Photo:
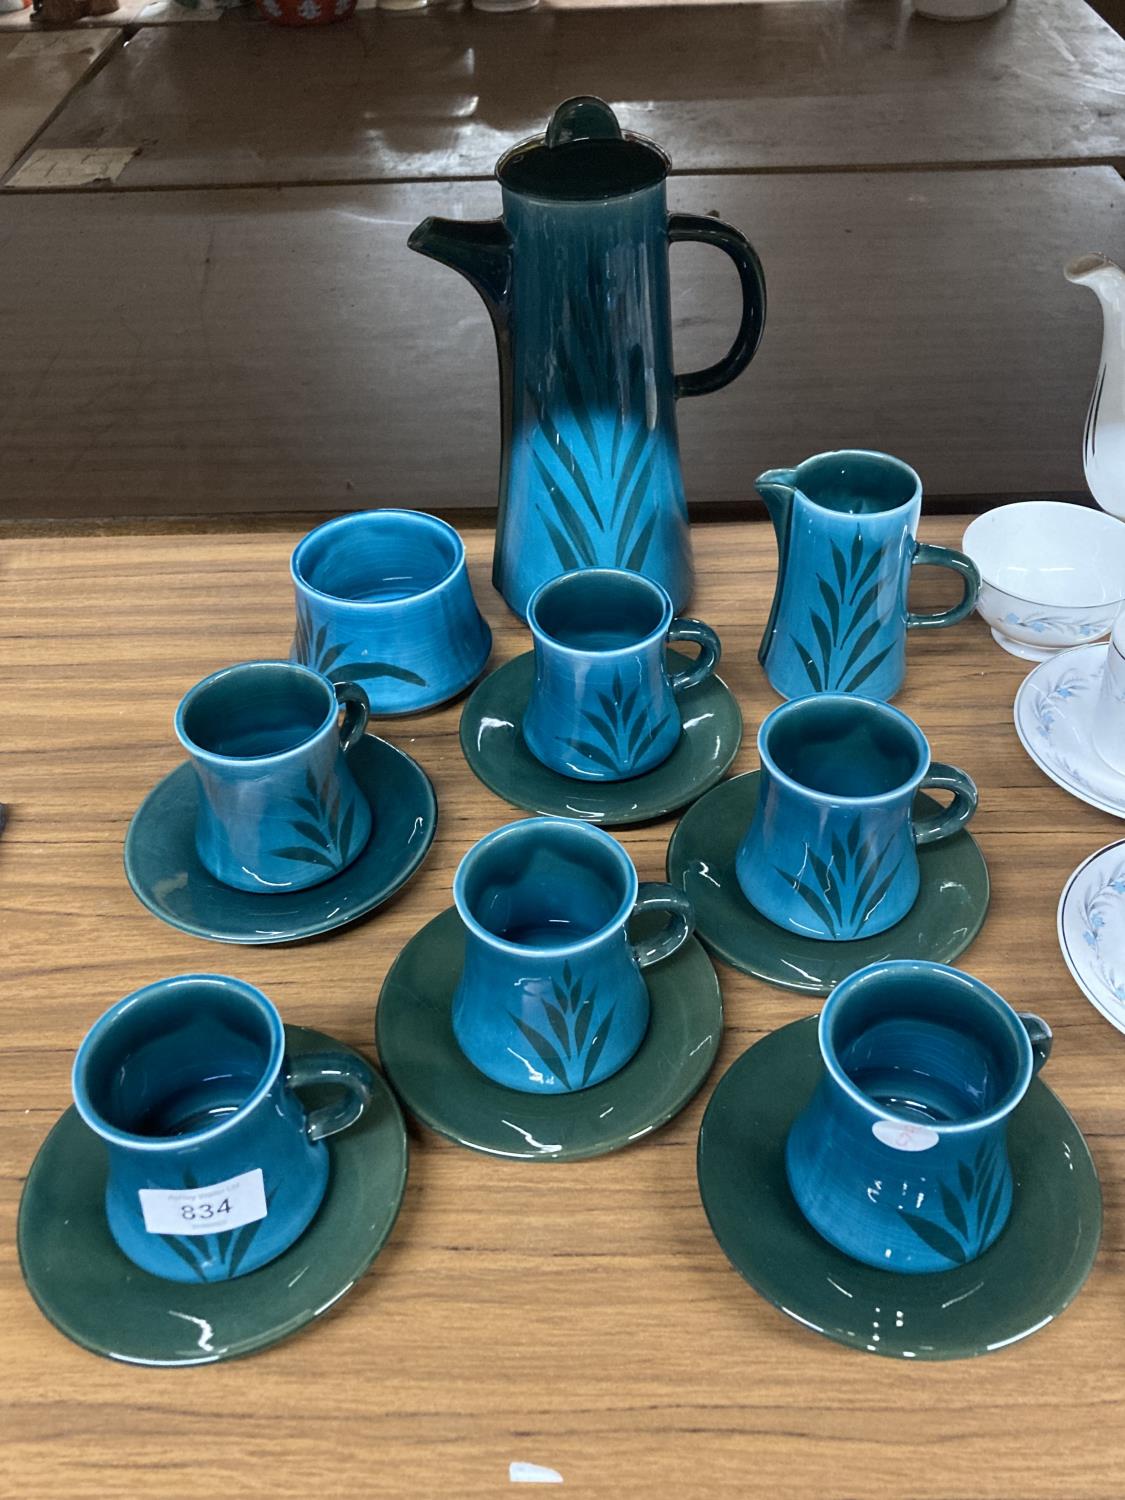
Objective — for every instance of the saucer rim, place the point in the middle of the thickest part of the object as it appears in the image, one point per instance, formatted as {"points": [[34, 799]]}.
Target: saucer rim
{"points": [[314, 930], [567, 784], [1103, 1009], [1090, 798], [311, 1040], [723, 953], [931, 1355], [605, 1147]]}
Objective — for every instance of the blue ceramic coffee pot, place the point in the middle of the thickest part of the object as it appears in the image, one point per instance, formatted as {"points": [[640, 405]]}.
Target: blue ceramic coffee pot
{"points": [[900, 1157], [830, 850], [575, 278], [551, 998], [603, 703], [846, 524], [188, 1084]]}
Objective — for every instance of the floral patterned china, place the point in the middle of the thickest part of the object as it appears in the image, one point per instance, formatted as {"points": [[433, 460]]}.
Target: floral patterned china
{"points": [[1052, 574], [1054, 712], [1091, 925]]}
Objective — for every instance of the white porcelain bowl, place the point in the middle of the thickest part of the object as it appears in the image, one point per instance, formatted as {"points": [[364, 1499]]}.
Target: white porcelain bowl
{"points": [[1052, 574]]}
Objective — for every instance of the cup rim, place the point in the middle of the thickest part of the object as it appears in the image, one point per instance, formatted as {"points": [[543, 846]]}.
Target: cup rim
{"points": [[839, 453], [420, 518], [969, 982], [573, 826], [874, 705], [655, 636], [113, 1134], [213, 757]]}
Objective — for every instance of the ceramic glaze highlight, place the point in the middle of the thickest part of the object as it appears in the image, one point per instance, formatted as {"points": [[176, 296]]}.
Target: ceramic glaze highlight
{"points": [[846, 525], [384, 600], [575, 278], [899, 1159], [551, 997], [187, 1083], [279, 809], [830, 850], [603, 706]]}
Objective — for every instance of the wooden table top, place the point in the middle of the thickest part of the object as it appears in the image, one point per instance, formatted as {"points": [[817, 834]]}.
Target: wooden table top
{"points": [[273, 350], [576, 1316], [841, 84]]}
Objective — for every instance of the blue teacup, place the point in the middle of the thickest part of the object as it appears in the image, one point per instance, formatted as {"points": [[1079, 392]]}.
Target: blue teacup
{"points": [[215, 1167], [900, 1158], [551, 998], [279, 809], [384, 600], [830, 851], [603, 705]]}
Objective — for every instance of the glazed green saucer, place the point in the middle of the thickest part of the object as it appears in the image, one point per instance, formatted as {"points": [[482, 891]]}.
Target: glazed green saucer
{"points": [[437, 1083], [493, 744], [167, 876], [1018, 1286], [944, 920], [101, 1300]]}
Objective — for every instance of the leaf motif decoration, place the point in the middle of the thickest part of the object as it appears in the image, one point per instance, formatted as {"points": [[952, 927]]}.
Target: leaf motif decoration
{"points": [[326, 835], [842, 891], [937, 1238], [312, 650], [846, 622], [623, 729], [573, 1049]]}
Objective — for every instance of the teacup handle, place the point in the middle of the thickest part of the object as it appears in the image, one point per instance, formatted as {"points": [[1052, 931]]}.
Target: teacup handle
{"points": [[654, 895], [927, 554], [1040, 1036], [349, 1073], [357, 710], [951, 819], [710, 649]]}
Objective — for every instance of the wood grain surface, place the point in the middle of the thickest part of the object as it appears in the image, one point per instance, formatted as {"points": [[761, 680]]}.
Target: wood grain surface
{"points": [[840, 84], [282, 350], [37, 72], [578, 1316]]}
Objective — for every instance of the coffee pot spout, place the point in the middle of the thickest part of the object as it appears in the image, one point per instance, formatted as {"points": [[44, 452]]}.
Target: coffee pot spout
{"points": [[481, 250]]}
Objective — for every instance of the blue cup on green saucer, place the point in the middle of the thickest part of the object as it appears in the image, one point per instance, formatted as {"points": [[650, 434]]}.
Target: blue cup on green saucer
{"points": [[603, 703], [215, 1166], [830, 850], [551, 998], [900, 1157], [279, 809], [384, 600]]}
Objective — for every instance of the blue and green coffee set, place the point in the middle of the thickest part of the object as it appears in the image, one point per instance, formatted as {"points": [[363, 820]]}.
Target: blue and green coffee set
{"points": [[216, 1165]]}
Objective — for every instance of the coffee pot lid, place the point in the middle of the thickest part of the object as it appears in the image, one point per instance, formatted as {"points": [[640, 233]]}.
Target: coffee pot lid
{"points": [[583, 155]]}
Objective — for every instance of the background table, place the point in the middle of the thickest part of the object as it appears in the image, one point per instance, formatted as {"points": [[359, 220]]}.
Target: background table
{"points": [[578, 1316]]}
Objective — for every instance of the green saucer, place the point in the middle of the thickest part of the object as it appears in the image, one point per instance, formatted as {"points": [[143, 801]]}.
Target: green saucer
{"points": [[944, 920], [166, 874], [1015, 1288], [437, 1083], [98, 1298], [493, 744]]}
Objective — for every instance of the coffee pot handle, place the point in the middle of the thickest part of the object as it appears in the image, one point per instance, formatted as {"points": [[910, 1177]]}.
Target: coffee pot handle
{"points": [[725, 237], [948, 820], [349, 1073], [654, 895]]}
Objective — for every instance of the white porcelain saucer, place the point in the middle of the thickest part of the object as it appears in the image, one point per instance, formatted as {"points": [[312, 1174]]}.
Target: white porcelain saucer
{"points": [[1054, 711], [1092, 930]]}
